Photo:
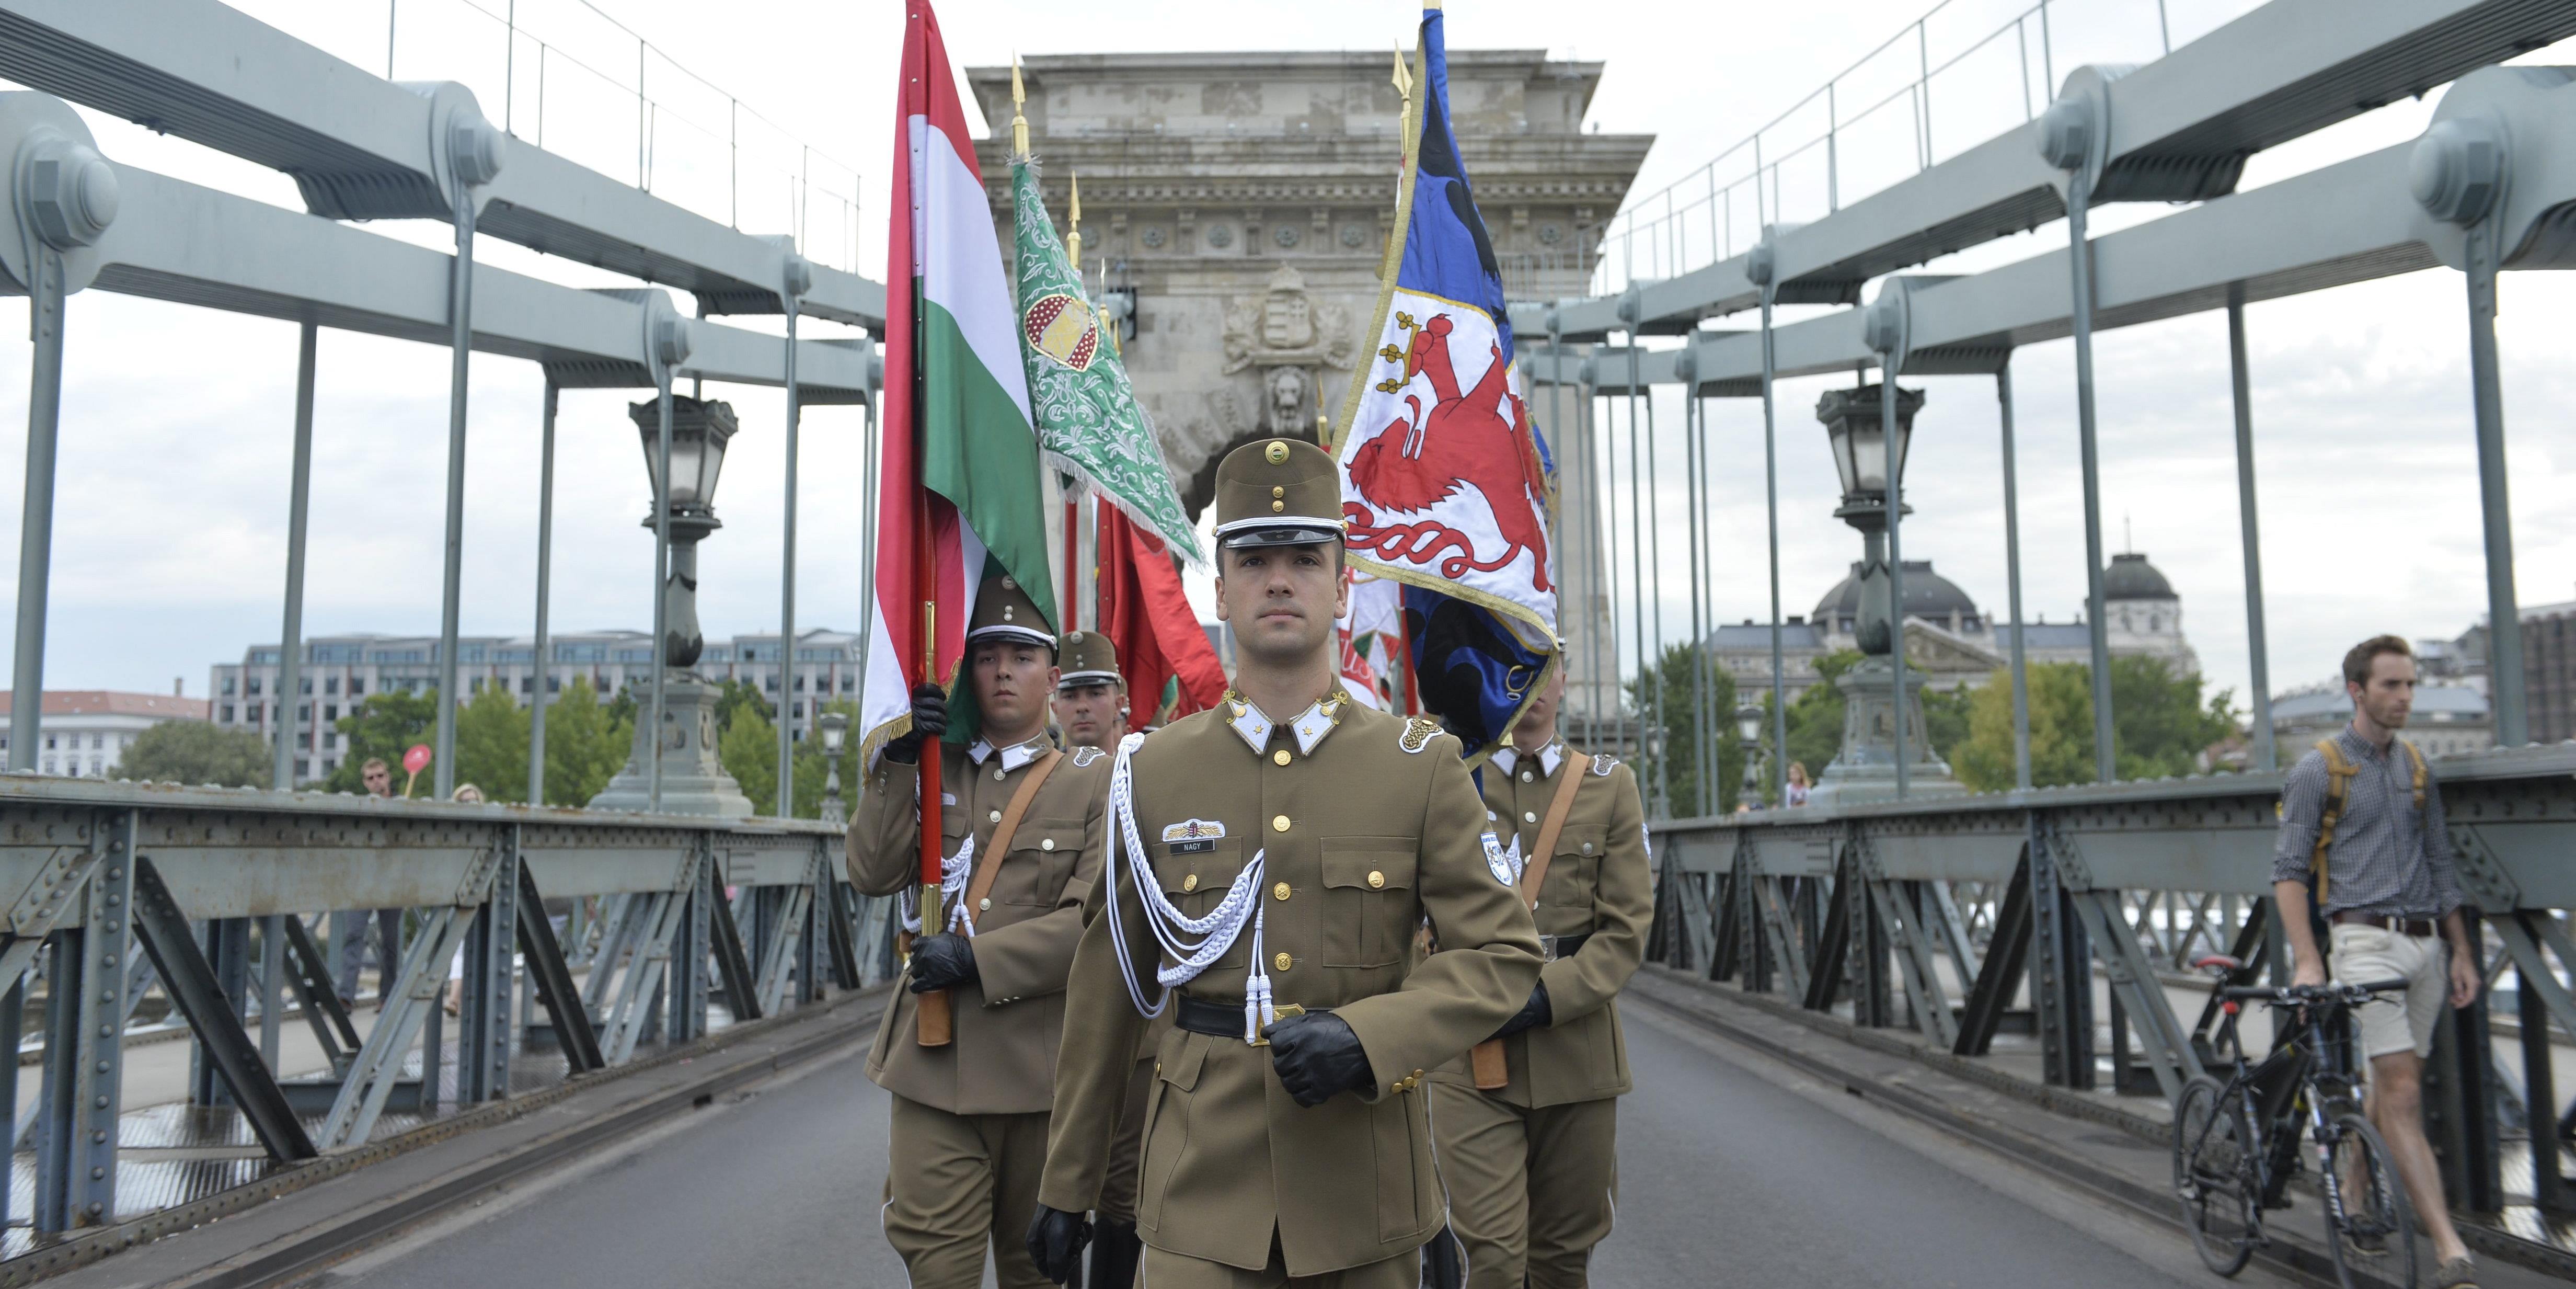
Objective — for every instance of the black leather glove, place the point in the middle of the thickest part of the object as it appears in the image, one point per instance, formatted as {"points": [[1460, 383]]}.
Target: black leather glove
{"points": [[929, 721], [1317, 1055], [940, 961], [1534, 1013], [1055, 1244]]}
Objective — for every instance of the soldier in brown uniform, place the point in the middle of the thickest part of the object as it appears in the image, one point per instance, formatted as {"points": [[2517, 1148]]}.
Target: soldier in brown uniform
{"points": [[1289, 842], [970, 1118], [1091, 709], [1533, 1165]]}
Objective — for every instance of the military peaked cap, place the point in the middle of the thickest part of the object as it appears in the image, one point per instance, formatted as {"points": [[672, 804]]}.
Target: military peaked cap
{"points": [[1278, 492], [1088, 658], [1003, 611]]}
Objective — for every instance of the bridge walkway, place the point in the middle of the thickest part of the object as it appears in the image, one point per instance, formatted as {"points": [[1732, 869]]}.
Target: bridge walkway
{"points": [[1755, 1150]]}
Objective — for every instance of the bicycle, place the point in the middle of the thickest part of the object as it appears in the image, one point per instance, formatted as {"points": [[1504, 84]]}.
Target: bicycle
{"points": [[2236, 1142]]}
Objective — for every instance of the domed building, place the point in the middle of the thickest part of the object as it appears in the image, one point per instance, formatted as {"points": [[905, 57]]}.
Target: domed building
{"points": [[1951, 641]]}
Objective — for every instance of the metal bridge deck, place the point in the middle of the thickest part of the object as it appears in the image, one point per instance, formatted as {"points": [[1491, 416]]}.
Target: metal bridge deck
{"points": [[1733, 1171]]}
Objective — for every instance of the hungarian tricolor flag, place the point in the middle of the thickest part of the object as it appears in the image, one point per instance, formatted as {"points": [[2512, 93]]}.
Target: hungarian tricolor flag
{"points": [[960, 497]]}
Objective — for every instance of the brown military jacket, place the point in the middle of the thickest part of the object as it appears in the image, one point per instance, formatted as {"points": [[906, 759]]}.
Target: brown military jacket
{"points": [[1600, 884], [1007, 1024], [1369, 823]]}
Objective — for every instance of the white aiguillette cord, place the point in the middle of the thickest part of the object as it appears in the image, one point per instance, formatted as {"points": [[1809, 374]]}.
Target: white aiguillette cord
{"points": [[1215, 933], [952, 884]]}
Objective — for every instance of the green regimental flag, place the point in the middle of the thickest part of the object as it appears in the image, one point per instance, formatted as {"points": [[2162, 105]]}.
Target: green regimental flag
{"points": [[1088, 422]]}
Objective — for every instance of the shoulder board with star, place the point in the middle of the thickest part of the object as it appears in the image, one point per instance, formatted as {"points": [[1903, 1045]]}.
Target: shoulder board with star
{"points": [[1418, 731], [1083, 756], [1603, 763]]}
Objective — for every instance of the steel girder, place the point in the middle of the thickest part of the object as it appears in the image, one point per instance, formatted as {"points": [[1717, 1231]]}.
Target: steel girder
{"points": [[174, 240], [2345, 223], [2180, 129], [361, 146]]}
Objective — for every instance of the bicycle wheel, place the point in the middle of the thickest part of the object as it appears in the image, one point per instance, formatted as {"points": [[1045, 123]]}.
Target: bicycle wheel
{"points": [[2213, 1160], [2367, 1217]]}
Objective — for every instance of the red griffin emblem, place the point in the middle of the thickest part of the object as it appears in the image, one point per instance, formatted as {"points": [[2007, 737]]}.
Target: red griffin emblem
{"points": [[1423, 456]]}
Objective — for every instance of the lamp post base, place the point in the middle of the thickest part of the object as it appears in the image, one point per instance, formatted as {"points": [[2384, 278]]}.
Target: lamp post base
{"points": [[693, 780], [1865, 768]]}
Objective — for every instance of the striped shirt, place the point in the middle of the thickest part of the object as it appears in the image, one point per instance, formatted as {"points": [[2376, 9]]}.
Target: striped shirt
{"points": [[2387, 857]]}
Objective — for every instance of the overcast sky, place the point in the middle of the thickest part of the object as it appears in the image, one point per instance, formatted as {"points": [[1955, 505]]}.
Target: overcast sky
{"points": [[171, 511]]}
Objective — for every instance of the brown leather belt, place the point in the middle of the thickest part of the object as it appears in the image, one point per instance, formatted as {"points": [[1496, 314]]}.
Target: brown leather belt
{"points": [[2402, 926]]}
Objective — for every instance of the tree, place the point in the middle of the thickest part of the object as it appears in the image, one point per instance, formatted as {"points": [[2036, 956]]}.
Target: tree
{"points": [[492, 745], [586, 743], [1945, 718], [383, 726], [194, 753], [2159, 724], [1815, 719], [747, 744], [1673, 677]]}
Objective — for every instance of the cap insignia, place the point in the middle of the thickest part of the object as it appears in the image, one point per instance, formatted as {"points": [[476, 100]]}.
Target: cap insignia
{"points": [[1008, 584], [1276, 453], [1075, 638]]}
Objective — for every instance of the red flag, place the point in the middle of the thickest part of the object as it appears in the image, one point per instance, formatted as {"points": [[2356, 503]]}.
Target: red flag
{"points": [[1150, 622]]}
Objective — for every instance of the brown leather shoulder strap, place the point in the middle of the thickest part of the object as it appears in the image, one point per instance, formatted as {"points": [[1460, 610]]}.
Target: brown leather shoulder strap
{"points": [[981, 884], [1534, 874]]}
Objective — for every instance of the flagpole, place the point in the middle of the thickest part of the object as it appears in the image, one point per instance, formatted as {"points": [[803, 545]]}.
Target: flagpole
{"points": [[933, 1023]]}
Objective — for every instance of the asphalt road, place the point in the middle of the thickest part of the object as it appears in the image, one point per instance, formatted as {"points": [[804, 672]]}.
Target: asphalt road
{"points": [[1733, 1172]]}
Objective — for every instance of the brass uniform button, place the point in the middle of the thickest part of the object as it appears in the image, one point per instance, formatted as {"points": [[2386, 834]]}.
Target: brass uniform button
{"points": [[1278, 506], [1190, 883], [1526, 776], [1377, 880], [1279, 823], [993, 816], [1529, 816], [1283, 962], [998, 772], [1047, 844], [1279, 757], [1279, 892], [1587, 848], [984, 905], [1395, 1087]]}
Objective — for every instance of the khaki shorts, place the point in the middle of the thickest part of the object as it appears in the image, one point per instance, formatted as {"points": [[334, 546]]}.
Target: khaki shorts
{"points": [[2365, 955]]}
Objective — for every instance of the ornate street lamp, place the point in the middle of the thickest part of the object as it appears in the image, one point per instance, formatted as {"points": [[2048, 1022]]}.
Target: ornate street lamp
{"points": [[693, 780], [836, 728], [1748, 730], [1869, 446]]}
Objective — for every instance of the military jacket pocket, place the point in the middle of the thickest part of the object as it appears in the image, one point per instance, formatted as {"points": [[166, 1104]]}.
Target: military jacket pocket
{"points": [[1042, 857], [1368, 900], [1575, 870]]}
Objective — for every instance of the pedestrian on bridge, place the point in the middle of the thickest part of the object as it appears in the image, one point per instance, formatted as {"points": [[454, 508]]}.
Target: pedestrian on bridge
{"points": [[1091, 709], [351, 924], [1023, 835], [1528, 1124], [2361, 823], [1278, 852]]}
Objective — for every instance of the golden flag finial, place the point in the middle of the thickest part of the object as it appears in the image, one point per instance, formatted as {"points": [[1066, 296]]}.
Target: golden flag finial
{"points": [[1019, 123], [1073, 228]]}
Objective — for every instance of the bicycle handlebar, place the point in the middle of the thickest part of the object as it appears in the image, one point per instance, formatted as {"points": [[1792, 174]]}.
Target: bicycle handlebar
{"points": [[2296, 995]]}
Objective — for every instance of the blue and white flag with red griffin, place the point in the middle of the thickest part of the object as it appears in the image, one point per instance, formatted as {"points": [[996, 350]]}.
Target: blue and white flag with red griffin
{"points": [[1445, 481]]}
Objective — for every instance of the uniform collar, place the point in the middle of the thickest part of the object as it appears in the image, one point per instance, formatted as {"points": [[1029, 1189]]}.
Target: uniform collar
{"points": [[1549, 757], [1310, 725], [1013, 757]]}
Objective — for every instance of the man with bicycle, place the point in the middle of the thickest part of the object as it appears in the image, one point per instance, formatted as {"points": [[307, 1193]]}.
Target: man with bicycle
{"points": [[2361, 824]]}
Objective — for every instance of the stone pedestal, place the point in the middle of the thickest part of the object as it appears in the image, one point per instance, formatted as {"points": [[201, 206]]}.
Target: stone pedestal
{"points": [[693, 780], [1865, 769]]}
